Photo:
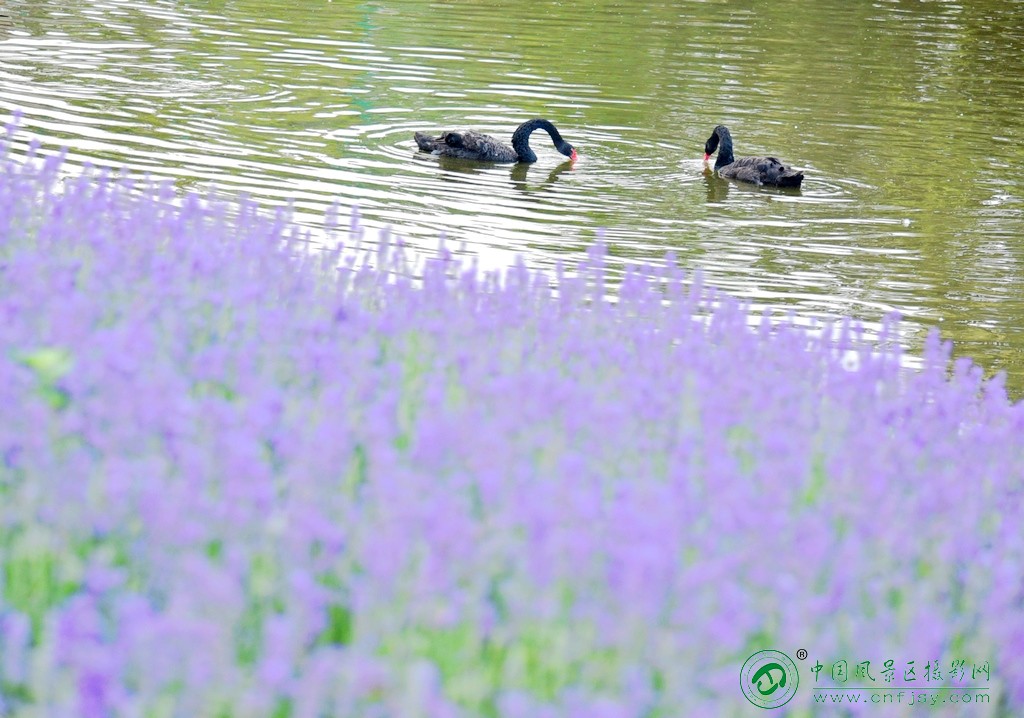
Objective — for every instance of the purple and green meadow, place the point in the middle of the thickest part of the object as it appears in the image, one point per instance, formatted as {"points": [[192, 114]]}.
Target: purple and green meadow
{"points": [[242, 476]]}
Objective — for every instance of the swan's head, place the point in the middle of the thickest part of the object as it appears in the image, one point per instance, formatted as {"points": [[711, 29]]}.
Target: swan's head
{"points": [[711, 145], [719, 134], [568, 150]]}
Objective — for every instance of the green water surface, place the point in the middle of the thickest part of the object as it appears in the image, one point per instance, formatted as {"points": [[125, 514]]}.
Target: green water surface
{"points": [[908, 117]]}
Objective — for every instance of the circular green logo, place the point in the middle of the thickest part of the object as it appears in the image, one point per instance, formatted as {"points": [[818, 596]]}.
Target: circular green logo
{"points": [[769, 679]]}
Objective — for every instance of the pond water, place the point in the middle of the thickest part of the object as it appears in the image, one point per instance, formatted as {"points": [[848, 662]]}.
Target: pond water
{"points": [[907, 116]]}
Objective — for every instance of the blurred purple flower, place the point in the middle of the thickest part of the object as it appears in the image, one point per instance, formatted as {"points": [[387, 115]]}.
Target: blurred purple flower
{"points": [[240, 474]]}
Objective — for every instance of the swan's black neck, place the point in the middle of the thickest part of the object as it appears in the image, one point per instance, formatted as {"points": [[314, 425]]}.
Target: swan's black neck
{"points": [[723, 139], [521, 138]]}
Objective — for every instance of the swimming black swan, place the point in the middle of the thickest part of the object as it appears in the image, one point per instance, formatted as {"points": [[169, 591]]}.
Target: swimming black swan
{"points": [[470, 145], [759, 170]]}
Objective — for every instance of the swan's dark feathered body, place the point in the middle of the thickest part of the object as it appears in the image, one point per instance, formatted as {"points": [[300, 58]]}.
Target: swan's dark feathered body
{"points": [[471, 145], [759, 170]]}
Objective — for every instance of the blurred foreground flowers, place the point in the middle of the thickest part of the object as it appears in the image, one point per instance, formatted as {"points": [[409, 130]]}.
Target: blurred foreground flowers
{"points": [[243, 477]]}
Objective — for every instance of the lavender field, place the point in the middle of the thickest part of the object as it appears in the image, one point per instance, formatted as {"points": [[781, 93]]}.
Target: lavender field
{"points": [[242, 476]]}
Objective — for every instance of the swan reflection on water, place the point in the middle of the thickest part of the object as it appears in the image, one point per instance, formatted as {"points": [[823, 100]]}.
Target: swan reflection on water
{"points": [[519, 173], [718, 187]]}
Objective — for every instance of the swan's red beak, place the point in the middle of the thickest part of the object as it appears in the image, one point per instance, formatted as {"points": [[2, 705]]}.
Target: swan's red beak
{"points": [[573, 155], [706, 156]]}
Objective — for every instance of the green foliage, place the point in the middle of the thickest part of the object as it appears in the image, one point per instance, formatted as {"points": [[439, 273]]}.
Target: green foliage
{"points": [[36, 575], [49, 365], [340, 626]]}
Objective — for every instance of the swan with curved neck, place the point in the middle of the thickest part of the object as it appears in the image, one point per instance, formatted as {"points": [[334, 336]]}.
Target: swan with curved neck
{"points": [[759, 170], [472, 145]]}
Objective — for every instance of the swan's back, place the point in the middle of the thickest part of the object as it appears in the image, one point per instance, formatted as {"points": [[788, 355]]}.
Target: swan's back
{"points": [[762, 170], [468, 145]]}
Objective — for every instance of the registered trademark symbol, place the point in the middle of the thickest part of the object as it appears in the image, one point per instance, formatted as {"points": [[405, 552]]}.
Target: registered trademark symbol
{"points": [[801, 654]]}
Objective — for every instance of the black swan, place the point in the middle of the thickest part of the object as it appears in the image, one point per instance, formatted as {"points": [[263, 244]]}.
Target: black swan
{"points": [[470, 145], [759, 170]]}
